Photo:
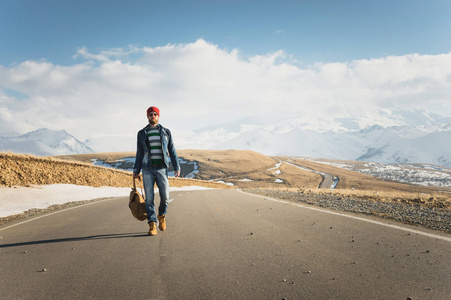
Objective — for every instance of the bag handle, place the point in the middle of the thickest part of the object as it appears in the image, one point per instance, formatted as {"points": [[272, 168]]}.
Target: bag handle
{"points": [[134, 186]]}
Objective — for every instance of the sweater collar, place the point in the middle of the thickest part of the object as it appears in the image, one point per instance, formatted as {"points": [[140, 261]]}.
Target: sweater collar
{"points": [[147, 128]]}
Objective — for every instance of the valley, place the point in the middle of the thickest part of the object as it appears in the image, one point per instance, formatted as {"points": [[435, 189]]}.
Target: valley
{"points": [[295, 179]]}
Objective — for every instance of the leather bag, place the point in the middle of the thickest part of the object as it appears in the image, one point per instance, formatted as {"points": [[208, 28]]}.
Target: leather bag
{"points": [[137, 204]]}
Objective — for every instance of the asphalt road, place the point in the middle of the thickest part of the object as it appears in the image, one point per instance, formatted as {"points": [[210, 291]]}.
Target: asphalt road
{"points": [[220, 244], [328, 179]]}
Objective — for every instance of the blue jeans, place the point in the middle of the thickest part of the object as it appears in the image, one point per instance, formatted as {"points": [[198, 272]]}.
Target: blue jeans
{"points": [[160, 176]]}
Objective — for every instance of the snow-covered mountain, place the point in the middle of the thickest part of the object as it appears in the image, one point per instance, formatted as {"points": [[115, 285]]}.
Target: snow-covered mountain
{"points": [[43, 142], [406, 144], [412, 137], [112, 143], [384, 137]]}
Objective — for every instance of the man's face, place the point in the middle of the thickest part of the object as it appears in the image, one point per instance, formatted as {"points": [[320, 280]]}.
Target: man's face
{"points": [[153, 118]]}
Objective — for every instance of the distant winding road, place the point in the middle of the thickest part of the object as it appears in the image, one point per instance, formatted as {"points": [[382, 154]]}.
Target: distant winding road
{"points": [[329, 181], [220, 244]]}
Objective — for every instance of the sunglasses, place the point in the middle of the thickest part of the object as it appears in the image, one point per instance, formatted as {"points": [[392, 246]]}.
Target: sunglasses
{"points": [[153, 114]]}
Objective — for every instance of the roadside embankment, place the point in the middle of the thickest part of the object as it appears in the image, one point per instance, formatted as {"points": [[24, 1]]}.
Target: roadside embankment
{"points": [[28, 170], [429, 215]]}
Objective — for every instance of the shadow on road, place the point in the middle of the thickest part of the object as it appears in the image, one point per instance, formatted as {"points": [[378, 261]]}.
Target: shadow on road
{"points": [[75, 239]]}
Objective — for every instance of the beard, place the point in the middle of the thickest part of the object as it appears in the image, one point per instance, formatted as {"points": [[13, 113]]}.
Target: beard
{"points": [[153, 122]]}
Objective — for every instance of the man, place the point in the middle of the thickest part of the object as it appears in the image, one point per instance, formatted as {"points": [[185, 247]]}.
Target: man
{"points": [[154, 146]]}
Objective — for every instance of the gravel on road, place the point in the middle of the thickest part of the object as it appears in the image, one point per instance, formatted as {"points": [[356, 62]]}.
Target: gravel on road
{"points": [[413, 214]]}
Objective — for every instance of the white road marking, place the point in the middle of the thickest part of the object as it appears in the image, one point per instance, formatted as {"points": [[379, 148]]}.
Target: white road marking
{"points": [[399, 227], [52, 213], [440, 237]]}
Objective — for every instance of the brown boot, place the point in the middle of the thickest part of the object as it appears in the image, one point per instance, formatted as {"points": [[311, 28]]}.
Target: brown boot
{"points": [[152, 229], [162, 222]]}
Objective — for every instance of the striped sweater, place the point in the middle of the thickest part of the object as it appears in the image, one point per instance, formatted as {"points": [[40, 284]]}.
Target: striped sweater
{"points": [[156, 154]]}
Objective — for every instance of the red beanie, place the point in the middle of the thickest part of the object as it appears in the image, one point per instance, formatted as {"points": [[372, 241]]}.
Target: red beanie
{"points": [[153, 109]]}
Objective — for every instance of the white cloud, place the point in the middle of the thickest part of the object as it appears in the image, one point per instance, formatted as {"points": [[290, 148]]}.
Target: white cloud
{"points": [[199, 84], [83, 52], [106, 55]]}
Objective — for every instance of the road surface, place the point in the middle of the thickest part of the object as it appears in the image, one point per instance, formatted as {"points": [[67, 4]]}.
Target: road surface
{"points": [[329, 181], [220, 244]]}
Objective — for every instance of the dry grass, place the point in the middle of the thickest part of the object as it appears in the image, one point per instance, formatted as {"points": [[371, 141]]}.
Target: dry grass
{"points": [[248, 169], [232, 166], [227, 163], [364, 186], [108, 157], [258, 170], [27, 170]]}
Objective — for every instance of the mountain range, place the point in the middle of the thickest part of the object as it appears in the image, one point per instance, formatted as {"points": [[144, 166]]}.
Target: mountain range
{"points": [[412, 137], [43, 142]]}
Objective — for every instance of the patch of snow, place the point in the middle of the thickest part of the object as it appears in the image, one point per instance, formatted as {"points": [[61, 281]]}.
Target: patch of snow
{"points": [[338, 165], [245, 179], [427, 177], [118, 164], [19, 199], [277, 172], [227, 183], [278, 180], [276, 167], [418, 174], [306, 169], [335, 183]]}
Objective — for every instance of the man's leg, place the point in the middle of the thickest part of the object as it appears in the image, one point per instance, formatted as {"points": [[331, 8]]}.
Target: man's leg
{"points": [[149, 182], [163, 186]]}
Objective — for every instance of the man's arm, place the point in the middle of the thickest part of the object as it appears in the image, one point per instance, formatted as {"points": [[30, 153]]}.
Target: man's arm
{"points": [[173, 155], [138, 158]]}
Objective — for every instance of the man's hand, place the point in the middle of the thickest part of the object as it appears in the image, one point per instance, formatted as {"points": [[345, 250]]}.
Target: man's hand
{"points": [[177, 173], [136, 176]]}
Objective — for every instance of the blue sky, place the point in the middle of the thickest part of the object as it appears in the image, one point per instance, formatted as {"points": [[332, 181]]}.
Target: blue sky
{"points": [[310, 31], [79, 65]]}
